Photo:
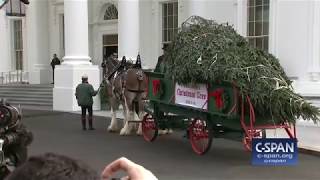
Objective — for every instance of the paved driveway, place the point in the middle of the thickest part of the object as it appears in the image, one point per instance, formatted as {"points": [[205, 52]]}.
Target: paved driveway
{"points": [[169, 157]]}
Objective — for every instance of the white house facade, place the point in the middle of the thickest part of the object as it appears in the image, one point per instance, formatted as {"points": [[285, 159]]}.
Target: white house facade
{"points": [[83, 32]]}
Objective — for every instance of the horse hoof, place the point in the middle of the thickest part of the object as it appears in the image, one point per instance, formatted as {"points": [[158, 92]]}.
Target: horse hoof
{"points": [[139, 133], [110, 129], [123, 132], [162, 132]]}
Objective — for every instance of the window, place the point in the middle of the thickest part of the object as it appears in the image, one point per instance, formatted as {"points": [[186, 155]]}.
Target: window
{"points": [[111, 13], [15, 8], [169, 21], [18, 44], [258, 23], [110, 45]]}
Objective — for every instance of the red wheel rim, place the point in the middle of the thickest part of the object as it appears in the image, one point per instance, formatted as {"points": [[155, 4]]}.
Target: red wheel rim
{"points": [[149, 128], [247, 143], [200, 136]]}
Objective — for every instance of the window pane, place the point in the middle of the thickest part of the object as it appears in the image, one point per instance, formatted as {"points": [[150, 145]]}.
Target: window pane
{"points": [[110, 40], [170, 9], [164, 12], [266, 2], [251, 13], [266, 43], [266, 13], [259, 43], [258, 14], [164, 23], [170, 22], [175, 8], [251, 29], [251, 2], [111, 13], [175, 32], [175, 24], [164, 36], [265, 28], [170, 35], [258, 30], [20, 60], [258, 2], [252, 42]]}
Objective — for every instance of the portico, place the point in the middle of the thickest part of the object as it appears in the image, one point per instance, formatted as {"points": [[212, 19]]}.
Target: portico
{"points": [[76, 60]]}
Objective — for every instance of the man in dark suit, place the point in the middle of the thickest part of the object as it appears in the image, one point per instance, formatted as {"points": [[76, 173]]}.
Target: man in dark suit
{"points": [[55, 61]]}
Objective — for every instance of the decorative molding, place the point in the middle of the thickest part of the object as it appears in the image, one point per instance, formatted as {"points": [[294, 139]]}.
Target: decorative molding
{"points": [[58, 2], [314, 41], [105, 22], [273, 25]]}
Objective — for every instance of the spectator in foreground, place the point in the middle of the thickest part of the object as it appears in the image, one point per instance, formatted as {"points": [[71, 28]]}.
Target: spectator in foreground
{"points": [[52, 166], [133, 170]]}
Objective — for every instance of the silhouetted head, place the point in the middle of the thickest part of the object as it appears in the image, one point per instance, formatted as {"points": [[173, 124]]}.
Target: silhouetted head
{"points": [[52, 166], [84, 78]]}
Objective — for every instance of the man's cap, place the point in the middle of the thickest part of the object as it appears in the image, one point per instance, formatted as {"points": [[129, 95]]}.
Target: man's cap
{"points": [[84, 76]]}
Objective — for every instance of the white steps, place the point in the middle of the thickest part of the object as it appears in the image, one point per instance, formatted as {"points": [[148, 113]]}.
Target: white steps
{"points": [[36, 96]]}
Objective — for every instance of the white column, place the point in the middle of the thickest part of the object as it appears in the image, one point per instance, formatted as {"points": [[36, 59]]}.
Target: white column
{"points": [[241, 24], [197, 7], [76, 32], [128, 29], [76, 61], [4, 45], [37, 49], [314, 69]]}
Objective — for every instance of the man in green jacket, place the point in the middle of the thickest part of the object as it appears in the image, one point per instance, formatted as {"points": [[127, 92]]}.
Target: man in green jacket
{"points": [[84, 93]]}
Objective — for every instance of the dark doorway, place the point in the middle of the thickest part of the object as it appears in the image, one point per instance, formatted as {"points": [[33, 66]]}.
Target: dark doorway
{"points": [[108, 50], [110, 45]]}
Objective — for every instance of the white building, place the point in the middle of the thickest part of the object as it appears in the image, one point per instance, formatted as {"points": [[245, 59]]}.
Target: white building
{"points": [[82, 30]]}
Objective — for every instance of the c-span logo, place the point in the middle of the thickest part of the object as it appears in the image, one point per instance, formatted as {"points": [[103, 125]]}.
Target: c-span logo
{"points": [[274, 151]]}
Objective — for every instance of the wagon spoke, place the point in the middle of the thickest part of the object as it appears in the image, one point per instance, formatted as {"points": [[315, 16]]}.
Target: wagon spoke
{"points": [[200, 136], [149, 128]]}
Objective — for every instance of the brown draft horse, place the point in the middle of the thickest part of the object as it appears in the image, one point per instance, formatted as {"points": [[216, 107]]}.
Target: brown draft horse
{"points": [[128, 88]]}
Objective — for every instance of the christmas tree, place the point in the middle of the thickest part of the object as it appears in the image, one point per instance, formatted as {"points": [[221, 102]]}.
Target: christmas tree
{"points": [[205, 51]]}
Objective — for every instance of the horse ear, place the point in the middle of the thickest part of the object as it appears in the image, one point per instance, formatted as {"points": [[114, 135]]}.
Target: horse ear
{"points": [[138, 62], [25, 1]]}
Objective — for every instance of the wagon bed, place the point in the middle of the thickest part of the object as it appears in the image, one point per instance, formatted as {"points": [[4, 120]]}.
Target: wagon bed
{"points": [[205, 111]]}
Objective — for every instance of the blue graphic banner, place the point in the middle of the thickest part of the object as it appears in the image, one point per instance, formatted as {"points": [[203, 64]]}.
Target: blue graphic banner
{"points": [[274, 151]]}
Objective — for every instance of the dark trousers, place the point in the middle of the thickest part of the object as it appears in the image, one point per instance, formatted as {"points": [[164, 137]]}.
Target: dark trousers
{"points": [[84, 111], [83, 116], [53, 75]]}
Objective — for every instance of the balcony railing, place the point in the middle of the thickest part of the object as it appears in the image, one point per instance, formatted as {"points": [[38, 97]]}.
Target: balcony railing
{"points": [[14, 77]]}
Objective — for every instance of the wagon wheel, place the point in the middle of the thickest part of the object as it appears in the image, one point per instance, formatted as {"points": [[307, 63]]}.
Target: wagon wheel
{"points": [[149, 128], [247, 141], [200, 136]]}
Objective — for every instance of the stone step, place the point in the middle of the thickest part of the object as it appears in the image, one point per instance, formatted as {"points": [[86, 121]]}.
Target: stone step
{"points": [[31, 103], [27, 99], [6, 89], [25, 95]]}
